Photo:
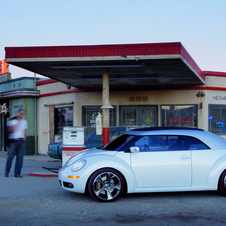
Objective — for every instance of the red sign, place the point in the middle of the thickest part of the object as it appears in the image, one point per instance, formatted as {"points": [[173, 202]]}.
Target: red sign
{"points": [[179, 120]]}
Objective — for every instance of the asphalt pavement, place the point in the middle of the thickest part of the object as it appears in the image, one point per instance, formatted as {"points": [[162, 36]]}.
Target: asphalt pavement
{"points": [[40, 201]]}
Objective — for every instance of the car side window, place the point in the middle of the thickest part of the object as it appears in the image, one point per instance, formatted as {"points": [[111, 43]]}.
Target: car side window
{"points": [[151, 143], [195, 144], [154, 143], [143, 143], [158, 143], [177, 143]]}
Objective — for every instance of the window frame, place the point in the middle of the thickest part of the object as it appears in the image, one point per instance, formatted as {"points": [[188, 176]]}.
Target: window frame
{"points": [[221, 121], [175, 124], [57, 128], [99, 109], [132, 142]]}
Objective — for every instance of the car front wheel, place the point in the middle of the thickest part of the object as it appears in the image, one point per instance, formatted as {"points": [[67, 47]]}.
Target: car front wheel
{"points": [[222, 183], [106, 185]]}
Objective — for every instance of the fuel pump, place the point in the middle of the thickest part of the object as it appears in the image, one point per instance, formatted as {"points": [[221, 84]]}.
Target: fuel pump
{"points": [[74, 141]]}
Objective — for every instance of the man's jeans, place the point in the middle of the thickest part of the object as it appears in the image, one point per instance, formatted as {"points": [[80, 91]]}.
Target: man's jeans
{"points": [[17, 148]]}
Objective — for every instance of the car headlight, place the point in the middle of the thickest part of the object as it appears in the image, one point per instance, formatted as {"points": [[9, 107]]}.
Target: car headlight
{"points": [[70, 161], [78, 165]]}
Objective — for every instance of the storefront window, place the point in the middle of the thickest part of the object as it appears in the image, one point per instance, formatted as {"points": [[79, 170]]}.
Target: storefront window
{"points": [[63, 117], [217, 119], [179, 115], [89, 114]]}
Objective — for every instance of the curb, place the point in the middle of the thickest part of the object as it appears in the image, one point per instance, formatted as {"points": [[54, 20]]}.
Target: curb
{"points": [[43, 174]]}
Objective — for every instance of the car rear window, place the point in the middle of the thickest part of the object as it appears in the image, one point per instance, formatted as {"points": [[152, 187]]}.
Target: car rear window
{"points": [[195, 144]]}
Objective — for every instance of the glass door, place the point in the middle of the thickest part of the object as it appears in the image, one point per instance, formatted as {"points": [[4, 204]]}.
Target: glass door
{"points": [[138, 116], [129, 116], [148, 116]]}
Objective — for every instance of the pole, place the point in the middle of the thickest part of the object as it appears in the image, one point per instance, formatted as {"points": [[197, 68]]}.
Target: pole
{"points": [[36, 151], [105, 107]]}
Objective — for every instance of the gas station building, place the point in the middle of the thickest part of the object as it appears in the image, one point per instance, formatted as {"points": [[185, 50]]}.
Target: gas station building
{"points": [[153, 84]]}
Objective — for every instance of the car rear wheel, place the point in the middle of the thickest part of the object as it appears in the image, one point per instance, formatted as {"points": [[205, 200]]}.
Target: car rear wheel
{"points": [[222, 183], [106, 185]]}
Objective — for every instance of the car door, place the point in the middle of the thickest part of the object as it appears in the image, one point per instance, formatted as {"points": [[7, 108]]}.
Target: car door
{"points": [[160, 164]]}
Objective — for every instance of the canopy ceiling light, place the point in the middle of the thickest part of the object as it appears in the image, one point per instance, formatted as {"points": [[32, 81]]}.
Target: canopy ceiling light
{"points": [[95, 66], [122, 78]]}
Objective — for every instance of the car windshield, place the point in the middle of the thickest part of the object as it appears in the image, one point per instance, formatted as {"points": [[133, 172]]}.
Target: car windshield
{"points": [[118, 142]]}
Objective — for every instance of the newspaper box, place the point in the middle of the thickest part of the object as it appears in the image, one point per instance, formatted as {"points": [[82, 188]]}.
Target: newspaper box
{"points": [[74, 141]]}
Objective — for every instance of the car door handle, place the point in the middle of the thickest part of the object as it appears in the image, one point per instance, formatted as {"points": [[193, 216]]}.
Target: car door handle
{"points": [[184, 157]]}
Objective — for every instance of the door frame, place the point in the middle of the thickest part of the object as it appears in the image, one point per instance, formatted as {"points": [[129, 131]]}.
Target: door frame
{"points": [[138, 113]]}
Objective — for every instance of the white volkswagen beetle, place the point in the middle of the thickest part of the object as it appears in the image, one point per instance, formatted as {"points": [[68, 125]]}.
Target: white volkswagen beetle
{"points": [[149, 160]]}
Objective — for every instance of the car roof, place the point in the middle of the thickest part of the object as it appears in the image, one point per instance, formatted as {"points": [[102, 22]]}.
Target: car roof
{"points": [[211, 140], [165, 128]]}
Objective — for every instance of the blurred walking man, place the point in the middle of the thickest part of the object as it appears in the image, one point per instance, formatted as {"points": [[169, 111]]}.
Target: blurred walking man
{"points": [[18, 130]]}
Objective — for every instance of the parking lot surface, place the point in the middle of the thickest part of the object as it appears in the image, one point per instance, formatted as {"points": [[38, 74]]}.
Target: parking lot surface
{"points": [[37, 200]]}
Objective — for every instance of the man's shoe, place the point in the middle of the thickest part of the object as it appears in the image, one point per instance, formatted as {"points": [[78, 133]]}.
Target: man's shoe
{"points": [[18, 175], [6, 175]]}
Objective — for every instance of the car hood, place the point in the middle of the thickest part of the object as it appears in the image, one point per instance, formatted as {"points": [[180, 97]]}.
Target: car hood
{"points": [[94, 151]]}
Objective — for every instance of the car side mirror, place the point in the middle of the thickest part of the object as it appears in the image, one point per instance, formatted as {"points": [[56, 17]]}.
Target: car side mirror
{"points": [[134, 149]]}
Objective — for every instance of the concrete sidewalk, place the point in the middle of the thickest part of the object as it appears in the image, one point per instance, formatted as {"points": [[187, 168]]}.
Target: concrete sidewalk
{"points": [[41, 158]]}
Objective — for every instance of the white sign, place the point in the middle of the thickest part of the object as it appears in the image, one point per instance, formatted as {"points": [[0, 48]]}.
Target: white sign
{"points": [[92, 121], [99, 124], [3, 108]]}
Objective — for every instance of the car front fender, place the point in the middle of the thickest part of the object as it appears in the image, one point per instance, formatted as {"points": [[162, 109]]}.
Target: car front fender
{"points": [[95, 163]]}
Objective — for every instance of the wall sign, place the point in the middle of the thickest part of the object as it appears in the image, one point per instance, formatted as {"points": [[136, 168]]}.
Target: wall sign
{"points": [[217, 98], [210, 118], [15, 108], [179, 121], [221, 124], [148, 120], [3, 108], [92, 121]]}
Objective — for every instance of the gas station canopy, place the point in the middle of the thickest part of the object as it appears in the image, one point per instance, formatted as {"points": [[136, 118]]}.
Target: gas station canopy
{"points": [[130, 66]]}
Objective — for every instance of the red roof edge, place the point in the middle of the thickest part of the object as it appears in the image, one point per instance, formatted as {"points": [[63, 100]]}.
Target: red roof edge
{"points": [[172, 48], [214, 73], [191, 62], [93, 50], [44, 82]]}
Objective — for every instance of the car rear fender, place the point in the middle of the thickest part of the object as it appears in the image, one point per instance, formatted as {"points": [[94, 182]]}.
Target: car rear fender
{"points": [[102, 161], [216, 171]]}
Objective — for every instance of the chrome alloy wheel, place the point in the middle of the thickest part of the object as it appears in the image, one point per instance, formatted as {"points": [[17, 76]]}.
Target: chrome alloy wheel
{"points": [[106, 185]]}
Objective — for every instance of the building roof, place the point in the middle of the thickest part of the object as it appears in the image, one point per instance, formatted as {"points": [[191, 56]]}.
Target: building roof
{"points": [[130, 66]]}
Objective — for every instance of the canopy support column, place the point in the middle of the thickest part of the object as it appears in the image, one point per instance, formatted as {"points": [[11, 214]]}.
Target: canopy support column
{"points": [[106, 106]]}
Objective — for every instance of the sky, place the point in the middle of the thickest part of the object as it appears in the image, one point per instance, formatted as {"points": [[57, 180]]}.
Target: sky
{"points": [[200, 25]]}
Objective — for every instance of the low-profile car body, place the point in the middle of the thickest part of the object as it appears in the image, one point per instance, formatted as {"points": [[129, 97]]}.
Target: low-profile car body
{"points": [[149, 160]]}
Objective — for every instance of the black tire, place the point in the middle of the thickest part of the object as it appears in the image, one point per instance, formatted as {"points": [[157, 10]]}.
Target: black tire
{"points": [[106, 185], [222, 183]]}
